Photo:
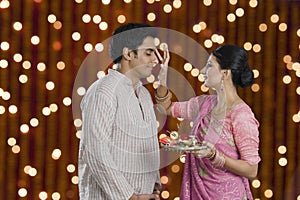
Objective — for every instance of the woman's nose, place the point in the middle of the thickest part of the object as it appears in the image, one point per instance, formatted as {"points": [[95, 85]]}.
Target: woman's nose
{"points": [[202, 71]]}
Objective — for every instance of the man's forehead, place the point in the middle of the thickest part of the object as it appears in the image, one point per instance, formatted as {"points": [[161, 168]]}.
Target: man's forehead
{"points": [[148, 43]]}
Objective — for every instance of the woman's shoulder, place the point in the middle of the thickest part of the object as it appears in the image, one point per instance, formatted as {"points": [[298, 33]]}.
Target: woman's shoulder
{"points": [[242, 111], [241, 108]]}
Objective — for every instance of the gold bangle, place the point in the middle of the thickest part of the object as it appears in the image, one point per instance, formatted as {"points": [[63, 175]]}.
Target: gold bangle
{"points": [[212, 156]]}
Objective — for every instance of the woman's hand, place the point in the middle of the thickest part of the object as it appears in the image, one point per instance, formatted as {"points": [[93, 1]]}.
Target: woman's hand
{"points": [[208, 152], [164, 62]]}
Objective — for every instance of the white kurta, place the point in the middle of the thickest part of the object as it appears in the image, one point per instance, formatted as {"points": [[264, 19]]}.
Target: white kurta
{"points": [[119, 151]]}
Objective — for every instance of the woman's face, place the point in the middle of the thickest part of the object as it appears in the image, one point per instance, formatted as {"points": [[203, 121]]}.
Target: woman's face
{"points": [[212, 73]]}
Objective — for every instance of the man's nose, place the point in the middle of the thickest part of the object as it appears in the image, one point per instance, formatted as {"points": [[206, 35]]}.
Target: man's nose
{"points": [[155, 60]]}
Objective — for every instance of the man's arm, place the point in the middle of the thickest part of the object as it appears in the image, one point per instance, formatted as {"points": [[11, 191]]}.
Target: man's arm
{"points": [[98, 118]]}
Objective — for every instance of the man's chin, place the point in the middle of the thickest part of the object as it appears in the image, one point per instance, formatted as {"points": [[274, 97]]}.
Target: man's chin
{"points": [[147, 74]]}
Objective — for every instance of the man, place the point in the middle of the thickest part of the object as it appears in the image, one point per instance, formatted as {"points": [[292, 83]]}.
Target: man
{"points": [[119, 151]]}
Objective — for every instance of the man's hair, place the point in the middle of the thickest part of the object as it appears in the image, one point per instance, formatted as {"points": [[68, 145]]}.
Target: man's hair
{"points": [[130, 35]]}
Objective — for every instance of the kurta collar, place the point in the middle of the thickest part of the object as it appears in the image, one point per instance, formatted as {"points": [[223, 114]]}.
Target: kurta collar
{"points": [[124, 79]]}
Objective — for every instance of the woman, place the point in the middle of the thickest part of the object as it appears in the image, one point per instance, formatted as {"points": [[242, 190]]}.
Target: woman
{"points": [[224, 123]]}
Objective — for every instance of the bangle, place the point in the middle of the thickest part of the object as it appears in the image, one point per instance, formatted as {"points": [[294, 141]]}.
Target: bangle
{"points": [[218, 160], [213, 155], [162, 98]]}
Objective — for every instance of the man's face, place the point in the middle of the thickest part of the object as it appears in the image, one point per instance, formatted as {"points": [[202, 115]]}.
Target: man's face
{"points": [[145, 59]]}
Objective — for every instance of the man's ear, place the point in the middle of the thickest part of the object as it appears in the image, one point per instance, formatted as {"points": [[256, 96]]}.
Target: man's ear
{"points": [[126, 54]]}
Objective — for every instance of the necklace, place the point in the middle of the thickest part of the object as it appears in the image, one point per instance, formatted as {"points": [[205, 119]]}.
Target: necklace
{"points": [[219, 112]]}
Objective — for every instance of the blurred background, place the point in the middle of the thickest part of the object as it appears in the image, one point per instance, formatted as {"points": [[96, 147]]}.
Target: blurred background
{"points": [[43, 44]]}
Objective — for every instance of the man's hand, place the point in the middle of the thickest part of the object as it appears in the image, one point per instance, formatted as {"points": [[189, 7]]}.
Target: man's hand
{"points": [[144, 197], [157, 189]]}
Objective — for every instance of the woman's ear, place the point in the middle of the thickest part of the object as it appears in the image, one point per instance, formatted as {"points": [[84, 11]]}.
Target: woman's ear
{"points": [[226, 73], [126, 53]]}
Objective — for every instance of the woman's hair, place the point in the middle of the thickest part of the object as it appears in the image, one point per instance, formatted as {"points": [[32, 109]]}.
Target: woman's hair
{"points": [[129, 35], [235, 58]]}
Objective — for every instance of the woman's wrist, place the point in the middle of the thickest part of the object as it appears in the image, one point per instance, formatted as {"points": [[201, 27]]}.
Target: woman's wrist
{"points": [[212, 155], [161, 91], [218, 160], [160, 97]]}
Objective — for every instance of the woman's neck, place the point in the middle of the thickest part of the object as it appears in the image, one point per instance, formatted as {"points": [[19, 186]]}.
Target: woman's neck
{"points": [[227, 98]]}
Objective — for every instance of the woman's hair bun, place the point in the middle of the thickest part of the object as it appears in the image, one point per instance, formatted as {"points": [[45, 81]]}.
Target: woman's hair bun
{"points": [[235, 58]]}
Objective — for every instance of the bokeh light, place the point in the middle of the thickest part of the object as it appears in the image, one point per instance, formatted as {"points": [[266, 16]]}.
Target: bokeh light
{"points": [[22, 192], [4, 46], [282, 162], [56, 153], [18, 26], [282, 149], [167, 8], [282, 27], [121, 19], [274, 18], [256, 183], [175, 168], [103, 25], [231, 17], [16, 149], [11, 141], [287, 79], [97, 19], [34, 122], [51, 18], [151, 16], [60, 65], [67, 101], [13, 109], [56, 196], [268, 193], [263, 27], [76, 36], [24, 128], [207, 2], [41, 66], [239, 12], [35, 40], [233, 2], [165, 194], [177, 4], [86, 18], [71, 168], [43, 195], [164, 179]]}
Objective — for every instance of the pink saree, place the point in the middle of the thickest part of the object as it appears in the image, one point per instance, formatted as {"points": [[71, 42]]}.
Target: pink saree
{"points": [[236, 136]]}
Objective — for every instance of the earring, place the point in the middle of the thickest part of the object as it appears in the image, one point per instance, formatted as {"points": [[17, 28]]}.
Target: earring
{"points": [[222, 85]]}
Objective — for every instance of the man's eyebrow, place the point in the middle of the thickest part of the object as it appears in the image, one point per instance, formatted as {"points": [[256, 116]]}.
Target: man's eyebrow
{"points": [[150, 49]]}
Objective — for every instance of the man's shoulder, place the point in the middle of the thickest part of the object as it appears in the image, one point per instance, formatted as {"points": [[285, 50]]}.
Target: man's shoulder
{"points": [[105, 85]]}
